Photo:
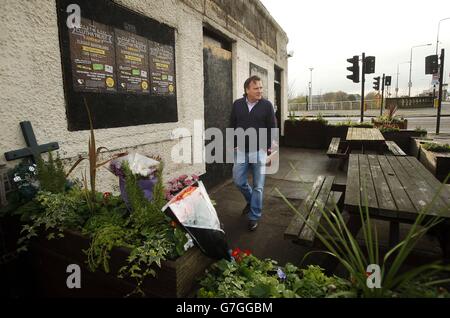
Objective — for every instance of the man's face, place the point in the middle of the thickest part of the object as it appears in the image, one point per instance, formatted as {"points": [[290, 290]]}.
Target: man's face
{"points": [[254, 91]]}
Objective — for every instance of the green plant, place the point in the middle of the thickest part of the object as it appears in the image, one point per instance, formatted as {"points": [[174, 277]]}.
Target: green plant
{"points": [[51, 175], [145, 213], [104, 239], [143, 258], [351, 123], [292, 116], [146, 231], [423, 132], [435, 147], [249, 276], [57, 212], [388, 128], [320, 118], [341, 244]]}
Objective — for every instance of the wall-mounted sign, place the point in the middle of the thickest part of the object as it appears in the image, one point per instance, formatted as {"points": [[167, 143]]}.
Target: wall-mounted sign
{"points": [[108, 62], [132, 62], [93, 57], [162, 68]]}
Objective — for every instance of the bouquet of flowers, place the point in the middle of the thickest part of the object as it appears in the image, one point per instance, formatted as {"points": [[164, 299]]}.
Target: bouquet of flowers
{"points": [[193, 209], [25, 180], [144, 168], [177, 184]]}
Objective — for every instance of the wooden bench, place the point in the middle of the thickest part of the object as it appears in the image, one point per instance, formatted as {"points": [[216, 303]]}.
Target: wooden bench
{"points": [[318, 199], [394, 148], [334, 149]]}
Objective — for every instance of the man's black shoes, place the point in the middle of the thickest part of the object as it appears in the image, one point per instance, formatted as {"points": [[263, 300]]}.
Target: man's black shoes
{"points": [[252, 225], [246, 209]]}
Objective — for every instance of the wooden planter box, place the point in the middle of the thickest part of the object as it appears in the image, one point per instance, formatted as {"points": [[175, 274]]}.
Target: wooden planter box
{"points": [[436, 162], [305, 134], [401, 125], [402, 138], [49, 261]]}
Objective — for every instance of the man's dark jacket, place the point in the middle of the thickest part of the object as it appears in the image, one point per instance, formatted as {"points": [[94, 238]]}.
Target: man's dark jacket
{"points": [[261, 116]]}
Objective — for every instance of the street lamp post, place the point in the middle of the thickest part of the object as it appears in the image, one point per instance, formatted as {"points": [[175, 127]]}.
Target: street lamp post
{"points": [[396, 86], [410, 66], [437, 38], [437, 46], [310, 87]]}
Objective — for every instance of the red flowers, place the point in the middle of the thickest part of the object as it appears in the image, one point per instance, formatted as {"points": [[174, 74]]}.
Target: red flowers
{"points": [[238, 254]]}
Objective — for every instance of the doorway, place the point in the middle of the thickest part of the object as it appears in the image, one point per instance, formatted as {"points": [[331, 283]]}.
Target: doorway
{"points": [[277, 89], [218, 97]]}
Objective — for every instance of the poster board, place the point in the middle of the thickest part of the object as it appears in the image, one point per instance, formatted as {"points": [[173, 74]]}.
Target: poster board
{"points": [[109, 61]]}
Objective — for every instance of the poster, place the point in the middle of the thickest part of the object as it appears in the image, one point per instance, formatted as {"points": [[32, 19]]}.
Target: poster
{"points": [[162, 69], [92, 57], [131, 62], [262, 73]]}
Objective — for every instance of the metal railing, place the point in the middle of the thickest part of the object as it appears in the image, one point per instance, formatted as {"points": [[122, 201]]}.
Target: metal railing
{"points": [[343, 105], [410, 102]]}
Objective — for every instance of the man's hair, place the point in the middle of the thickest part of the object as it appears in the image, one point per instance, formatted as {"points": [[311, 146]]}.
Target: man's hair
{"points": [[249, 80]]}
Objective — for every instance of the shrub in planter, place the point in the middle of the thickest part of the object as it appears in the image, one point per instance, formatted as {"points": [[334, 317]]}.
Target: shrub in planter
{"points": [[150, 236], [390, 120], [306, 133], [436, 158], [249, 276]]}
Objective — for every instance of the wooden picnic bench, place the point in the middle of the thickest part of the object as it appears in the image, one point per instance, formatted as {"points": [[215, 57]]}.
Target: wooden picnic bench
{"points": [[394, 148], [302, 227], [395, 189], [336, 147], [365, 138]]}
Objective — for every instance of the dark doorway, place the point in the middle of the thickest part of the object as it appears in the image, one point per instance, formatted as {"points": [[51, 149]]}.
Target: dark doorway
{"points": [[277, 101], [218, 97]]}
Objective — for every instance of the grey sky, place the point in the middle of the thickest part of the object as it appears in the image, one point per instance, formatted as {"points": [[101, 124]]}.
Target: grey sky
{"points": [[324, 33]]}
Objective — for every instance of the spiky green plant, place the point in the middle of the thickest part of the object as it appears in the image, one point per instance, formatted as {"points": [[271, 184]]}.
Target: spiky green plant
{"points": [[94, 164]]}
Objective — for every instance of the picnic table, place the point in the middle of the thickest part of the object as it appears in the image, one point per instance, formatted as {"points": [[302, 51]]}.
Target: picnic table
{"points": [[361, 138], [395, 189]]}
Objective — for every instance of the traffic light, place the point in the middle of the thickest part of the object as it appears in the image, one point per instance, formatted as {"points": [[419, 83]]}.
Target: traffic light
{"points": [[376, 83], [431, 64], [387, 81], [369, 65], [354, 68]]}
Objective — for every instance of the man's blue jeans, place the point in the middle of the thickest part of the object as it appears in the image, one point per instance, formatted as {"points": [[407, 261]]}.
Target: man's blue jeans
{"points": [[255, 162]]}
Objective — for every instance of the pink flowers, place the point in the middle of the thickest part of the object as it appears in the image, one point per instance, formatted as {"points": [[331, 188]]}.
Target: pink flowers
{"points": [[177, 184]]}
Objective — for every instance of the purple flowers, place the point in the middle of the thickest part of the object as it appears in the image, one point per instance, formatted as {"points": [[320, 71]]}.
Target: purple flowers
{"points": [[281, 274], [116, 168], [177, 184]]}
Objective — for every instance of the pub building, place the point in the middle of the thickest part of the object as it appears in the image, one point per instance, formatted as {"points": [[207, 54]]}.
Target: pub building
{"points": [[144, 68]]}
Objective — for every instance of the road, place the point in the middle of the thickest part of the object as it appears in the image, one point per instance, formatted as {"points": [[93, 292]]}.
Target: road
{"points": [[428, 123], [420, 117]]}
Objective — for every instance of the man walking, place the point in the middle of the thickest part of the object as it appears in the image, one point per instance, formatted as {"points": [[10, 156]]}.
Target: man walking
{"points": [[252, 117]]}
